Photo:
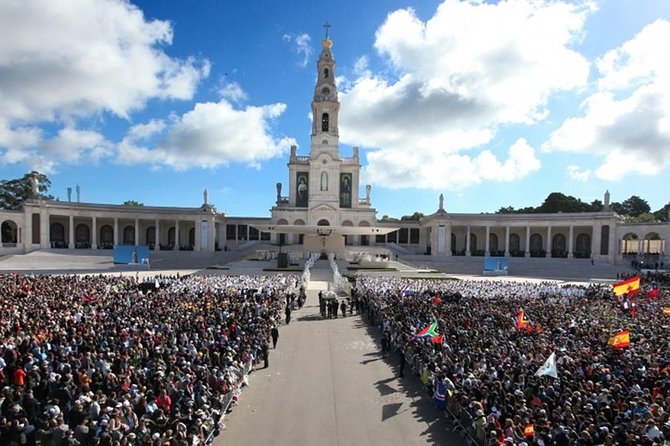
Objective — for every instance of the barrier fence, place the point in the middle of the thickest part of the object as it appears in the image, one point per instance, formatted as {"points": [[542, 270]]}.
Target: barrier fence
{"points": [[460, 417], [215, 416]]}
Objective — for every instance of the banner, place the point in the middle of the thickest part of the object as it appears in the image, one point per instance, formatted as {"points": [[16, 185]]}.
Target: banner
{"points": [[345, 190], [301, 189], [131, 255]]}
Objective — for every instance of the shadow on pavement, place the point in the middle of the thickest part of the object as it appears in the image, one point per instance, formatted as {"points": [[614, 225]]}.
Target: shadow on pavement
{"points": [[438, 429]]}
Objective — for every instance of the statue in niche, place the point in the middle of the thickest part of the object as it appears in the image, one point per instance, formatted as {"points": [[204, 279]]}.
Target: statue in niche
{"points": [[324, 181]]}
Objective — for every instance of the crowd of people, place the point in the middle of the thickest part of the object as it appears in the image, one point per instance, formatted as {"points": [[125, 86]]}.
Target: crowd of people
{"points": [[101, 360], [487, 367]]}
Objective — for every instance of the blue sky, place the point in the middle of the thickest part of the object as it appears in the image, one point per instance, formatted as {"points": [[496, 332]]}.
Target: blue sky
{"points": [[491, 103]]}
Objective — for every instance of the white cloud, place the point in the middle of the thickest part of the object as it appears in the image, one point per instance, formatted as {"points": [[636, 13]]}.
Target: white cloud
{"points": [[63, 60], [212, 134], [233, 92], [579, 174], [302, 46], [444, 170], [459, 76], [627, 120]]}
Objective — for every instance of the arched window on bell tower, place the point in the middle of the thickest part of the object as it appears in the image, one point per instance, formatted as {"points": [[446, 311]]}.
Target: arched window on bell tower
{"points": [[326, 73], [324, 122]]}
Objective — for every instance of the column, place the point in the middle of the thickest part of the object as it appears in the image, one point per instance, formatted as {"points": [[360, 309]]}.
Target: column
{"points": [[70, 244], [549, 242], [596, 235], [116, 231], [572, 230], [198, 237], [157, 237], [467, 242], [94, 233], [137, 232], [506, 241], [447, 239], [488, 234], [433, 240], [527, 254], [45, 229], [211, 239], [28, 235], [176, 235]]}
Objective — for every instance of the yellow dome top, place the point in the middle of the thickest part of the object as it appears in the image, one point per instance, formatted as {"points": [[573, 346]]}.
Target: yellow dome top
{"points": [[327, 43]]}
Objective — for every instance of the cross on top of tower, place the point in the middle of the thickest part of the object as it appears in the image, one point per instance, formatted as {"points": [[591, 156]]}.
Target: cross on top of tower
{"points": [[326, 27]]}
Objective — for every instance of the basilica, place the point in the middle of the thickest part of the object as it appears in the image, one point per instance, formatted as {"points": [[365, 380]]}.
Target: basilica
{"points": [[326, 209]]}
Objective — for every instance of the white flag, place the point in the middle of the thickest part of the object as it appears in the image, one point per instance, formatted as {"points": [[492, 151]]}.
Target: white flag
{"points": [[549, 367]]}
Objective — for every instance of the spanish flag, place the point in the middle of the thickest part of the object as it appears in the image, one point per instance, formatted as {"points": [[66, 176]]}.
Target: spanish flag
{"points": [[629, 286], [521, 320], [529, 430], [666, 311], [620, 340]]}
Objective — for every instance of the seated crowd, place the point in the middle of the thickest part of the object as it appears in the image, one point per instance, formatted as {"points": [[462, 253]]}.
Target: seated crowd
{"points": [[603, 395], [100, 360]]}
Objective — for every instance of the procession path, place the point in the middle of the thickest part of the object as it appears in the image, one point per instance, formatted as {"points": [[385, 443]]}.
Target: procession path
{"points": [[328, 384]]}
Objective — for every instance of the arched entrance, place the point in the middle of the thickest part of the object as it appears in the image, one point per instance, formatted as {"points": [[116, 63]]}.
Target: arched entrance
{"points": [[493, 244], [150, 236], [365, 240], [82, 236], [348, 239], [558, 246], [281, 237], [9, 233], [57, 235], [536, 246], [515, 245], [129, 235], [583, 246], [629, 244], [301, 237], [106, 237]]}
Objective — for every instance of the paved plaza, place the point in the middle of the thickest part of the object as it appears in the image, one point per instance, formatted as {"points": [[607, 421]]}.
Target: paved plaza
{"points": [[328, 384]]}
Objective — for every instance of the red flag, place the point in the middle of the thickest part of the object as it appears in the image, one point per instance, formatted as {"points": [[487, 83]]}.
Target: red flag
{"points": [[439, 339], [653, 293]]}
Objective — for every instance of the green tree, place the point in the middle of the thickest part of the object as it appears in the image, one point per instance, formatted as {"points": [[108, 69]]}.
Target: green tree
{"points": [[662, 214], [386, 219], [133, 203], [597, 206], [417, 216], [634, 206], [14, 192], [506, 210], [558, 202]]}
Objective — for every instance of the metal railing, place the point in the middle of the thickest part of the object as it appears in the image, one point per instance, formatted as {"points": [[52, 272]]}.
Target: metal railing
{"points": [[215, 418]]}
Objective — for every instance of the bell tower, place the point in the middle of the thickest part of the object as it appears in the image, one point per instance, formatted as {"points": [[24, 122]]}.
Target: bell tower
{"points": [[325, 105]]}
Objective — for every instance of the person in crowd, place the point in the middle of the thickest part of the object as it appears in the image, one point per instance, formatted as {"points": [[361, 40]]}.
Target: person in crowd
{"points": [[274, 332], [97, 359], [604, 395]]}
